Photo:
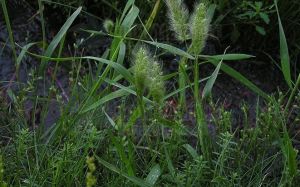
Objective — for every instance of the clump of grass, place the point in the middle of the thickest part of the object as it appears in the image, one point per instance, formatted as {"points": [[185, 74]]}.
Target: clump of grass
{"points": [[174, 155]]}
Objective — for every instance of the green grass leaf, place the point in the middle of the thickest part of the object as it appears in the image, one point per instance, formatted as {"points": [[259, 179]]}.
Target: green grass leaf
{"points": [[192, 151], [284, 52], [242, 79], [171, 49], [118, 67], [23, 52], [211, 81], [105, 99], [227, 57], [130, 18], [153, 175], [135, 180], [54, 43]]}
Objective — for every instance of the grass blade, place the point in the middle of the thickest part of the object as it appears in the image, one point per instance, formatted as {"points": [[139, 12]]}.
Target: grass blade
{"points": [[211, 81], [153, 175], [171, 49], [56, 40], [228, 57], [284, 52], [242, 79], [192, 151], [8, 26], [135, 180]]}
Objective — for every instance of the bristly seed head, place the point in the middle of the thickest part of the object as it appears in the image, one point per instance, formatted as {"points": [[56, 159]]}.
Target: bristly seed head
{"points": [[140, 68], [156, 83], [178, 15], [199, 28], [148, 74]]}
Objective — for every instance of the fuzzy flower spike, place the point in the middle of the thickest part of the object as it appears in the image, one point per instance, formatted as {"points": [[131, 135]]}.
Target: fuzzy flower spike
{"points": [[140, 68], [178, 15], [148, 75], [156, 83], [199, 28]]}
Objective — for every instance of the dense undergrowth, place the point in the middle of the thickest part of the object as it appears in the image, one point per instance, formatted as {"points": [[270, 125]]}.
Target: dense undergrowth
{"points": [[121, 125]]}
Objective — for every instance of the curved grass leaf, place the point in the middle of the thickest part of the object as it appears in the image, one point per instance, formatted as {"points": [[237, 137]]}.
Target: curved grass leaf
{"points": [[211, 81], [108, 97], [227, 57], [171, 49], [239, 77], [135, 180], [54, 43], [23, 52], [118, 67], [127, 6], [130, 18], [192, 151], [284, 52]]}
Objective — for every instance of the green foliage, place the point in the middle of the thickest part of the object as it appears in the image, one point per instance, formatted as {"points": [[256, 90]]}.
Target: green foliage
{"points": [[140, 144], [256, 12], [2, 183]]}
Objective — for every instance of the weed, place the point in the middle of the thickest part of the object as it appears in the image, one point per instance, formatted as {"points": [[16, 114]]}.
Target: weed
{"points": [[113, 128]]}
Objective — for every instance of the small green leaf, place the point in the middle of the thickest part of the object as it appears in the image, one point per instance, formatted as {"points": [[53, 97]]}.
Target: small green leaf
{"points": [[23, 52], [260, 30], [111, 121], [211, 81], [192, 151], [153, 175], [264, 17]]}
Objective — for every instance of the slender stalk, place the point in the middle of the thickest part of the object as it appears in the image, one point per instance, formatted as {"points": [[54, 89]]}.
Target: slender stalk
{"points": [[141, 106], [151, 19], [41, 11], [204, 137], [10, 34], [182, 82]]}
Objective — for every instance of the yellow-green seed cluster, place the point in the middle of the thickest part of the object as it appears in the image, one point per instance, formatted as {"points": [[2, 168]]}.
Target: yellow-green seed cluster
{"points": [[198, 28], [108, 25], [90, 178], [148, 74], [178, 15], [186, 27]]}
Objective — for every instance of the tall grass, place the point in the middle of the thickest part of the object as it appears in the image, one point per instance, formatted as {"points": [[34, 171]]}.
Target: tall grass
{"points": [[145, 142]]}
